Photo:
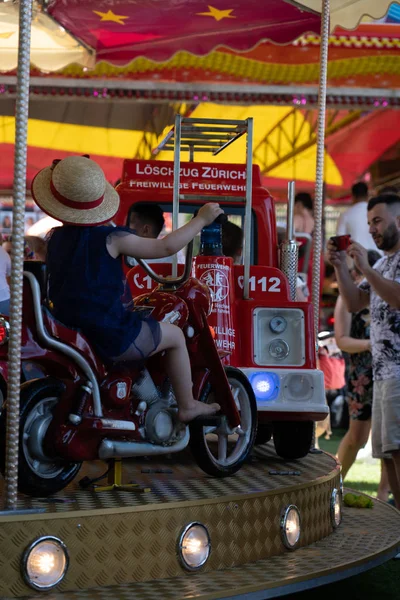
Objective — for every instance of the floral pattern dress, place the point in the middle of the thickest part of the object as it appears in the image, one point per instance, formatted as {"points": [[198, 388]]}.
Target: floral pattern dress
{"points": [[359, 376]]}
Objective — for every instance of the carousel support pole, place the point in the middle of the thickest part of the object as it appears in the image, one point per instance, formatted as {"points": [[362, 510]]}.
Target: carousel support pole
{"points": [[319, 187], [319, 180], [17, 256]]}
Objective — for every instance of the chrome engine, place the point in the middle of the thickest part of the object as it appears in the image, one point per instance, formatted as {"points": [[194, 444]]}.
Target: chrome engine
{"points": [[159, 409]]}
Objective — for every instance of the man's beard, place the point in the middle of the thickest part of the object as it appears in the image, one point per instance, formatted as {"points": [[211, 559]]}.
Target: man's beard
{"points": [[389, 239]]}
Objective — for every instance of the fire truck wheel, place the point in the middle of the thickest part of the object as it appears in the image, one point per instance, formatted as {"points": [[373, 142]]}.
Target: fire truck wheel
{"points": [[264, 434], [292, 439], [218, 450], [38, 474]]}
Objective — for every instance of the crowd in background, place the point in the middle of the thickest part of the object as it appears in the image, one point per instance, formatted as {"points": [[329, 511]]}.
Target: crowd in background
{"points": [[34, 249]]}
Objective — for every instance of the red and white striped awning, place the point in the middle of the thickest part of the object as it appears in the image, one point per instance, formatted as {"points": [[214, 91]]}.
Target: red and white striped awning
{"points": [[117, 31]]}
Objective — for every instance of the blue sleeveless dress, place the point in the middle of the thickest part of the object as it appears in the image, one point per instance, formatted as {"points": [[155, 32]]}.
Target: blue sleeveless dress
{"points": [[87, 289]]}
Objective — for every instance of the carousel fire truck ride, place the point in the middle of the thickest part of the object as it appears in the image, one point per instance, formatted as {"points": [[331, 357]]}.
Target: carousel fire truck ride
{"points": [[174, 531], [258, 326]]}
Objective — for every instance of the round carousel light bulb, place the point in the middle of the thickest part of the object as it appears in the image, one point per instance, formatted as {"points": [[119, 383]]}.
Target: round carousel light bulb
{"points": [[291, 527], [194, 546], [45, 563]]}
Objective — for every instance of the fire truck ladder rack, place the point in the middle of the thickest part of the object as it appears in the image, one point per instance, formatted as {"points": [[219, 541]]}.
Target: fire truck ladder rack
{"points": [[203, 135], [212, 136]]}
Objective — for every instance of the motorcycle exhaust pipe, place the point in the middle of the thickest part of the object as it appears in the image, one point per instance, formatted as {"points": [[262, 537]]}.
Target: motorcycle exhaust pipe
{"points": [[117, 449]]}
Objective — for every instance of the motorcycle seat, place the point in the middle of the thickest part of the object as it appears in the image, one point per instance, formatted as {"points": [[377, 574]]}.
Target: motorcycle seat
{"points": [[39, 270], [73, 338]]}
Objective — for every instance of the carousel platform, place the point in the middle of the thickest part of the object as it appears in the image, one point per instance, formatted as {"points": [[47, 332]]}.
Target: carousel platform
{"points": [[124, 544]]}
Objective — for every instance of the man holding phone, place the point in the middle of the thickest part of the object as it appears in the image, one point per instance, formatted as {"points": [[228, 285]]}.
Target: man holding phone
{"points": [[381, 290]]}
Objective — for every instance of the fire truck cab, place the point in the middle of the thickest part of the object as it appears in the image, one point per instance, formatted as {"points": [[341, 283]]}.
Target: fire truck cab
{"points": [[259, 327]]}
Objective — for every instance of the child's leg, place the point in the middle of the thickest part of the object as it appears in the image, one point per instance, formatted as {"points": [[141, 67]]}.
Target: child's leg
{"points": [[179, 372]]}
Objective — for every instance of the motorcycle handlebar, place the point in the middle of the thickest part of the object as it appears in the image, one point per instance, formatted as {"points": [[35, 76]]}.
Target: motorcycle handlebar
{"points": [[175, 281]]}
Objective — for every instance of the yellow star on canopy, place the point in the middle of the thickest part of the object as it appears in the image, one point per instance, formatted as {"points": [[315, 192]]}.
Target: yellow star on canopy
{"points": [[110, 16], [218, 14], [6, 35]]}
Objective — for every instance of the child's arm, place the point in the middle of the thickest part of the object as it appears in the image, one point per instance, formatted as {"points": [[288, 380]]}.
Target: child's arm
{"points": [[130, 244]]}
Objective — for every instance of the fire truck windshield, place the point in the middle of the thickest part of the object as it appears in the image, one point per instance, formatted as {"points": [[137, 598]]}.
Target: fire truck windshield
{"points": [[138, 217]]}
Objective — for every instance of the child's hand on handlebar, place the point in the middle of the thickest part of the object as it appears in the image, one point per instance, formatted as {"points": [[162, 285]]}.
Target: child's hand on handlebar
{"points": [[209, 212]]}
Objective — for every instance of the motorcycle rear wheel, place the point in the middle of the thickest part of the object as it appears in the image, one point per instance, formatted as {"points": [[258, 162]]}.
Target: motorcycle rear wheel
{"points": [[38, 474], [218, 450]]}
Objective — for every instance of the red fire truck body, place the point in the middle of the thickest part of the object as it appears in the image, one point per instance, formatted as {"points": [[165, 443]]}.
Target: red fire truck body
{"points": [[268, 336]]}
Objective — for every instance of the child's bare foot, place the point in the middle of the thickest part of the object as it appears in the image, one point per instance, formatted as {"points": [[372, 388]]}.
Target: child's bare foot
{"points": [[197, 409]]}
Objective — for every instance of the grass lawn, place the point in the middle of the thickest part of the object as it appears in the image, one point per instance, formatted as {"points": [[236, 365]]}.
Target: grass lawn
{"points": [[381, 583], [364, 475]]}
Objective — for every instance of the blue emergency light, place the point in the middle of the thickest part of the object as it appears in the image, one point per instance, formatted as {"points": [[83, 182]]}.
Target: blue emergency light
{"points": [[265, 385]]}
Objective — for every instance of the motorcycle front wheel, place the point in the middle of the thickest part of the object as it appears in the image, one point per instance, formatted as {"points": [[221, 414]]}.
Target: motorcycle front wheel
{"points": [[38, 473], [218, 449]]}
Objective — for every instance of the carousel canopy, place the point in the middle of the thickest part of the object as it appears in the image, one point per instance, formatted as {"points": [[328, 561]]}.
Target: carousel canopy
{"points": [[367, 57], [117, 31], [68, 117]]}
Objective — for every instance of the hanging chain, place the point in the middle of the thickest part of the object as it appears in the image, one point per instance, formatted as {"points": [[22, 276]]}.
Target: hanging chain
{"points": [[17, 254], [319, 185], [319, 181]]}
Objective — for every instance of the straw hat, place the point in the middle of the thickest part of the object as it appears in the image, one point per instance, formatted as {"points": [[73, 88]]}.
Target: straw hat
{"points": [[75, 191]]}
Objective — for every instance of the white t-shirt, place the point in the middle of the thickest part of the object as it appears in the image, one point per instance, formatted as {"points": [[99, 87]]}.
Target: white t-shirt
{"points": [[5, 271], [354, 221]]}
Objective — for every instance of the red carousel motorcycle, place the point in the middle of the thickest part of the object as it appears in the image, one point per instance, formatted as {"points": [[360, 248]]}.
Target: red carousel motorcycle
{"points": [[77, 408]]}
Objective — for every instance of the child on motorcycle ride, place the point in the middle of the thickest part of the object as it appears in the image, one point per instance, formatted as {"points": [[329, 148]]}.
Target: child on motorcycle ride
{"points": [[86, 281]]}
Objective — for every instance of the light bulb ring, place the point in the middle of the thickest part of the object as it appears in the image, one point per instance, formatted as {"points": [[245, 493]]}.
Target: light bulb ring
{"points": [[285, 534], [27, 554], [181, 546]]}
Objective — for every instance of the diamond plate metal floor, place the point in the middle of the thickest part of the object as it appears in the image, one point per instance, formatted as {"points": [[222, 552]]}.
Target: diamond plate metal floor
{"points": [[181, 480]]}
